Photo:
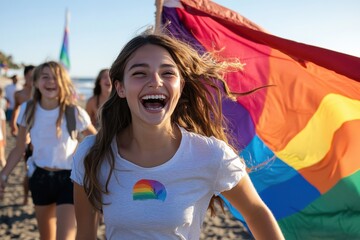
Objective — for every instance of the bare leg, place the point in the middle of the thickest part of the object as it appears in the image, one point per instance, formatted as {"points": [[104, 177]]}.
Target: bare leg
{"points": [[2, 156], [66, 222], [46, 218], [26, 189]]}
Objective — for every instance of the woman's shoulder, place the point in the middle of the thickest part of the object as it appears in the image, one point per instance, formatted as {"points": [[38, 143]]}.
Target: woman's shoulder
{"points": [[25, 106], [91, 101], [202, 140], [92, 98], [85, 145], [79, 110], [210, 150], [88, 141]]}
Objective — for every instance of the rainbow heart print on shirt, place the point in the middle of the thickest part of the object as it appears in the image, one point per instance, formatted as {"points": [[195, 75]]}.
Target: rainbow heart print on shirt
{"points": [[146, 189]]}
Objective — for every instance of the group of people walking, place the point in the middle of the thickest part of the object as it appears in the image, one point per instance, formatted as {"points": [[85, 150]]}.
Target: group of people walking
{"points": [[155, 153]]}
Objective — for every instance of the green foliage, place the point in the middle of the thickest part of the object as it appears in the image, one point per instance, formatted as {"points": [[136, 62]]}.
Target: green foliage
{"points": [[8, 61]]}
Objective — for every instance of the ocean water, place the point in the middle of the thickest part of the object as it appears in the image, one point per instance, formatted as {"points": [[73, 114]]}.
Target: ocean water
{"points": [[84, 87]]}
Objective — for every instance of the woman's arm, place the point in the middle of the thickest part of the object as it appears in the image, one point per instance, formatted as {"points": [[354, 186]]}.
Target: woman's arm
{"points": [[256, 214], [91, 109], [13, 159], [91, 130], [3, 128], [86, 216], [15, 114]]}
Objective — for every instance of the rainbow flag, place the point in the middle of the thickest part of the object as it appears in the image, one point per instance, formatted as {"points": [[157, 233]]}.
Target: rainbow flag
{"points": [[301, 136], [64, 54]]}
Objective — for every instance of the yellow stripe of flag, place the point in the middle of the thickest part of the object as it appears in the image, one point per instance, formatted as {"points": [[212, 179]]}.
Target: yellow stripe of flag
{"points": [[312, 144]]}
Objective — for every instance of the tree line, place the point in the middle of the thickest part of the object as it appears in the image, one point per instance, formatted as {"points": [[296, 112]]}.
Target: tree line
{"points": [[6, 61]]}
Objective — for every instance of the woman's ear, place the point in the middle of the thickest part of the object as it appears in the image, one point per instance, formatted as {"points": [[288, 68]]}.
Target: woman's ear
{"points": [[120, 89]]}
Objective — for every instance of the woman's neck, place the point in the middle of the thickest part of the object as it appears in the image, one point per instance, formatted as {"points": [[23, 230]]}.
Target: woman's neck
{"points": [[49, 104], [149, 147]]}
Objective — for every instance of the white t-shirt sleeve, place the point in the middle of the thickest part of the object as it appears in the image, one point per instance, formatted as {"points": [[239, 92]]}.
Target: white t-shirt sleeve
{"points": [[83, 120], [231, 170], [78, 170]]}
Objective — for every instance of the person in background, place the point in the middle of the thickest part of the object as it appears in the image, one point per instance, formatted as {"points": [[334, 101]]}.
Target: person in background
{"points": [[3, 102], [162, 149], [44, 118], [2, 137], [20, 97], [10, 89], [3, 107], [101, 93]]}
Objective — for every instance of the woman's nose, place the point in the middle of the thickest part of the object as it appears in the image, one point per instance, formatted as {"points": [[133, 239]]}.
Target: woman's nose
{"points": [[51, 80], [155, 80]]}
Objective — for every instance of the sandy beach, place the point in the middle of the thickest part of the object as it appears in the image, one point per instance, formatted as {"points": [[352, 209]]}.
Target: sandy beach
{"points": [[18, 221]]}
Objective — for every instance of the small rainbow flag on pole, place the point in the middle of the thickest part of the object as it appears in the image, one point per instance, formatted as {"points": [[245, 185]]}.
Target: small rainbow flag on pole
{"points": [[64, 54]]}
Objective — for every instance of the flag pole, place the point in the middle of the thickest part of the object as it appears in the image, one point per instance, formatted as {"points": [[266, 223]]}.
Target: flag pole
{"points": [[159, 6]]}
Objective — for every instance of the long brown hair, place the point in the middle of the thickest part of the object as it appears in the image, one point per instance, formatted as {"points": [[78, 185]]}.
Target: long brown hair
{"points": [[198, 110], [66, 92]]}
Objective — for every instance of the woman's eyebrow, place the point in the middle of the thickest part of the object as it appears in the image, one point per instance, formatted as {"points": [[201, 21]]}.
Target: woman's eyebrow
{"points": [[168, 65], [139, 65], [147, 65]]}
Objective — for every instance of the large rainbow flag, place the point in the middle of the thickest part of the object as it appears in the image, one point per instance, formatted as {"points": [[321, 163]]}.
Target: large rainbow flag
{"points": [[64, 53], [301, 137]]}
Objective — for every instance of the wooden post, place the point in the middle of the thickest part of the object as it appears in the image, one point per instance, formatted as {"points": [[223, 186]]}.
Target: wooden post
{"points": [[159, 5]]}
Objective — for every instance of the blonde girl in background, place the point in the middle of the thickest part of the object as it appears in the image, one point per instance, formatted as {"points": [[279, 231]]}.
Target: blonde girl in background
{"points": [[44, 118]]}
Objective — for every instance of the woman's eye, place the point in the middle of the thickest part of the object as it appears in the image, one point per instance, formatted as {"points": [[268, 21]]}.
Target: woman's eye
{"points": [[169, 73], [138, 74]]}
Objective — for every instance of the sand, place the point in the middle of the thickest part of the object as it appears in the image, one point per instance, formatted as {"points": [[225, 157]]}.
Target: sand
{"points": [[18, 221]]}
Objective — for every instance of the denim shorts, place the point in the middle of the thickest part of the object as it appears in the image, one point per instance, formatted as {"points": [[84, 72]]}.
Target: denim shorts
{"points": [[48, 187]]}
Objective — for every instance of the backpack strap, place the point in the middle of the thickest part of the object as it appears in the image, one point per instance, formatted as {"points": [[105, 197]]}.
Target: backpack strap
{"points": [[71, 121], [29, 103]]}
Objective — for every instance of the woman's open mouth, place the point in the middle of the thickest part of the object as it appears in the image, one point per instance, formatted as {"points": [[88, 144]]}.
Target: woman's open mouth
{"points": [[154, 102]]}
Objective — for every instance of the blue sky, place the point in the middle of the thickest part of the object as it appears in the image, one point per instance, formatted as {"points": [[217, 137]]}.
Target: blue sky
{"points": [[32, 31]]}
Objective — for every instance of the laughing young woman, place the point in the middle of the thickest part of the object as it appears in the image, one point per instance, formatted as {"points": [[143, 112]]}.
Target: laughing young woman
{"points": [[161, 155]]}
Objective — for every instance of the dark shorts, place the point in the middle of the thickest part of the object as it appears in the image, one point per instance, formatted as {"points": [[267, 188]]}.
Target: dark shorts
{"points": [[51, 187], [8, 114]]}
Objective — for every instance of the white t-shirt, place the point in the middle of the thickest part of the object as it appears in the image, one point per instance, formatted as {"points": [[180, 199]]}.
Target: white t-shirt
{"points": [[168, 201], [2, 118], [3, 103], [9, 93], [49, 150]]}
